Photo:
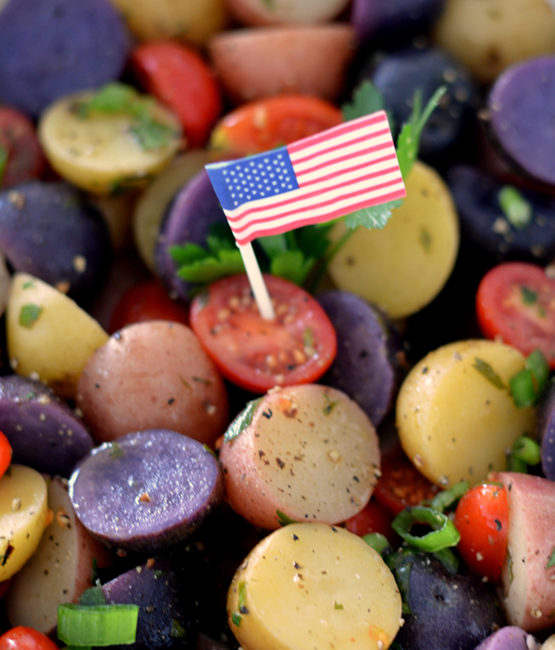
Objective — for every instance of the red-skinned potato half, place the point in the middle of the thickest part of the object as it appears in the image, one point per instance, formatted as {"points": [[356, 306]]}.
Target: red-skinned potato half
{"points": [[268, 123], [296, 347], [180, 78], [515, 302], [21, 157]]}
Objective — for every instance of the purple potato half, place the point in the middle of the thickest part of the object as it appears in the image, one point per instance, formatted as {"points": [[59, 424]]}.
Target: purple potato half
{"points": [[509, 638], [51, 48], [147, 491], [545, 431], [43, 431], [369, 362], [50, 231], [188, 219], [165, 596], [521, 121]]}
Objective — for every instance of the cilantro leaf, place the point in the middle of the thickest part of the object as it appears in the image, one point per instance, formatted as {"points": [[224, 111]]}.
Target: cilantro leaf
{"points": [[273, 244], [291, 265], [366, 99], [375, 216], [212, 268], [187, 254], [29, 314]]}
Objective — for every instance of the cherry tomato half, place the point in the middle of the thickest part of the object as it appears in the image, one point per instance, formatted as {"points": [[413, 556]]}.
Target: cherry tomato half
{"points": [[25, 638], [5, 454], [268, 123], [178, 76], [401, 484], [481, 519], [19, 145], [373, 518], [146, 301], [515, 302], [297, 347]]}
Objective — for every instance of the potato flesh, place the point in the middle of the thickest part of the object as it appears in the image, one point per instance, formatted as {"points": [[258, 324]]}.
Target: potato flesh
{"points": [[59, 570], [453, 423], [23, 509], [56, 346], [402, 267], [99, 152], [312, 586], [489, 35], [310, 452]]}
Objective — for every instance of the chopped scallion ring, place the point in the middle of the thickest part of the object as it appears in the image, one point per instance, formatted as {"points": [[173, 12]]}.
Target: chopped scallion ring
{"points": [[102, 625], [443, 535], [377, 541], [448, 497]]}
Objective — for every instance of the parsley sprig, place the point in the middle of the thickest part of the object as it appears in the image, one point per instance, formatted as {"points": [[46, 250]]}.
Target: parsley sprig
{"points": [[302, 255], [115, 97]]}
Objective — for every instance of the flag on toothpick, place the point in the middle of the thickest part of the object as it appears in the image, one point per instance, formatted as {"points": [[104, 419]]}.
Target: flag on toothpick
{"points": [[322, 177]]}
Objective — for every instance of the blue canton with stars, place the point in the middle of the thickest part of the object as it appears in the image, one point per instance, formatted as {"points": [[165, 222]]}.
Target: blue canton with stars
{"points": [[256, 177]]}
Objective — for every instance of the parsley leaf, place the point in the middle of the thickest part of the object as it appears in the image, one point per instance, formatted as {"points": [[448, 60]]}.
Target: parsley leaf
{"points": [[283, 519], [375, 216], [291, 265], [29, 314], [242, 421]]}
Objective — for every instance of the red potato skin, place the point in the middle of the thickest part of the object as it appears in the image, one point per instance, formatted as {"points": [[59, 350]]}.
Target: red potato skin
{"points": [[531, 501], [153, 375]]}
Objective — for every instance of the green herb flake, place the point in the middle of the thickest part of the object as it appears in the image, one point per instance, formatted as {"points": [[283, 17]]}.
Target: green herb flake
{"points": [[308, 338], [337, 605], [236, 618], [283, 519], [367, 99], [425, 240], [515, 207], [241, 595], [329, 405], [242, 421], [551, 559], [202, 380], [210, 450], [527, 296], [184, 382], [484, 368], [152, 134], [3, 162], [269, 4], [30, 284], [115, 450], [29, 314], [177, 630]]}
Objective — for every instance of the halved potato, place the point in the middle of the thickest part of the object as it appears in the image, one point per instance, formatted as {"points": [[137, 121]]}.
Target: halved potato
{"points": [[49, 336], [23, 510]]}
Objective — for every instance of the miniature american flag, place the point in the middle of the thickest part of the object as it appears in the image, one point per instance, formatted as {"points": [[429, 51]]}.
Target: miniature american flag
{"points": [[321, 177]]}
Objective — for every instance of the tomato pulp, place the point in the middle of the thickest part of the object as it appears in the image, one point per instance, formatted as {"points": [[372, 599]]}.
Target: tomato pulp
{"points": [[296, 347]]}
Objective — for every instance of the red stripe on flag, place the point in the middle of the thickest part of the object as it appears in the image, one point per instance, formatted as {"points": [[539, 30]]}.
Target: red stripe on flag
{"points": [[346, 127], [328, 216], [313, 206]]}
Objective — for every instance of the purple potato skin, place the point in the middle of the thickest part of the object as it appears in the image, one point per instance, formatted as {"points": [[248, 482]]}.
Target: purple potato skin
{"points": [[158, 484], [188, 219], [521, 124], [49, 230], [163, 592], [41, 428], [393, 20], [50, 48], [369, 362], [545, 431], [508, 638]]}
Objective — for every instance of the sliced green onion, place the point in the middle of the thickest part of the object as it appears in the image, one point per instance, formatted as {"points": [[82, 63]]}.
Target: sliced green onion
{"points": [[449, 560], [537, 363], [516, 208], [102, 625], [524, 452], [443, 535], [448, 497], [377, 541], [527, 385]]}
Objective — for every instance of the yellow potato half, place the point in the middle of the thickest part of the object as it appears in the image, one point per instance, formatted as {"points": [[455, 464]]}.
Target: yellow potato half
{"points": [[309, 586], [402, 267], [101, 152], [453, 422], [23, 509], [49, 336]]}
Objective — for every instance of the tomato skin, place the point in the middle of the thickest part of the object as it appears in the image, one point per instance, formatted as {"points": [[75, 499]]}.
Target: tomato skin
{"points": [[268, 123], [6, 453], [481, 518], [373, 518], [147, 301], [401, 484], [18, 137], [258, 354], [25, 638], [178, 76], [506, 311]]}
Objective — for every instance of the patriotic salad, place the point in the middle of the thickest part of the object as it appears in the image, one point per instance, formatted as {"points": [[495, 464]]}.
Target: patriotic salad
{"points": [[277, 324]]}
